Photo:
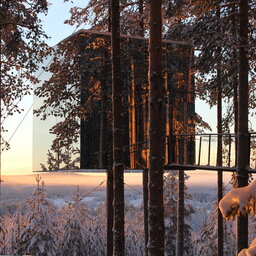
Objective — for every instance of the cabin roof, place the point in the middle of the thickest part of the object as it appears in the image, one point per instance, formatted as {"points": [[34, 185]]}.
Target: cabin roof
{"points": [[96, 32]]}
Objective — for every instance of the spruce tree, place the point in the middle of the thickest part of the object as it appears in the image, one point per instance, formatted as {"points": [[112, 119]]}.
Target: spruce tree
{"points": [[74, 228], [37, 236], [171, 215]]}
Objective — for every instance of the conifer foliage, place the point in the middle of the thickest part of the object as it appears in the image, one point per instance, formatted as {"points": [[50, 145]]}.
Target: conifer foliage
{"points": [[22, 48], [37, 237], [74, 234], [170, 214], [37, 227]]}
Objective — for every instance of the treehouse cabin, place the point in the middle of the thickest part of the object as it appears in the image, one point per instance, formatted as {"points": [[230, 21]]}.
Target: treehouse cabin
{"points": [[74, 101]]}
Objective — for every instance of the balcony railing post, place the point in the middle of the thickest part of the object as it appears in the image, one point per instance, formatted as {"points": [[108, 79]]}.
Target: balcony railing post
{"points": [[199, 153], [229, 150], [209, 150], [249, 149]]}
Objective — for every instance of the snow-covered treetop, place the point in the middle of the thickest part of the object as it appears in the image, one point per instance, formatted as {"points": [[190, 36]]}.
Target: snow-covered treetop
{"points": [[239, 201]]}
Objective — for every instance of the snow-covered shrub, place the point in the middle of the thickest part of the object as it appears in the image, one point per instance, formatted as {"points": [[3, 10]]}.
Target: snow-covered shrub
{"points": [[16, 224], [37, 237], [239, 201], [74, 228], [5, 223], [97, 230], [170, 214], [251, 251], [134, 231], [205, 241]]}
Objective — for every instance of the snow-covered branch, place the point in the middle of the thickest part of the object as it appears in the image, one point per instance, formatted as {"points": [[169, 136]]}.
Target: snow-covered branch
{"points": [[239, 201], [250, 251]]}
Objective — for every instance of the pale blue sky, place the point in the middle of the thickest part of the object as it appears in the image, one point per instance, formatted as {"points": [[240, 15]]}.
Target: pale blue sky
{"points": [[18, 160]]}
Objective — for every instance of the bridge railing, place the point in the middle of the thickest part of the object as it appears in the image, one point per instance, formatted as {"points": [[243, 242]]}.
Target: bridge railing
{"points": [[195, 151], [202, 149]]}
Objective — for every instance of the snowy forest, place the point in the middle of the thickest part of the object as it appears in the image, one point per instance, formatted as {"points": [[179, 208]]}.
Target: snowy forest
{"points": [[123, 92]]}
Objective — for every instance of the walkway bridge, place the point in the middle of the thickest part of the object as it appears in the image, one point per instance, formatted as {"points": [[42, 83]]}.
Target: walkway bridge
{"points": [[199, 152]]}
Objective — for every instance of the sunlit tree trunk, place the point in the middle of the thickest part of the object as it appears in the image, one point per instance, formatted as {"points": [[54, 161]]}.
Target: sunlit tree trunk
{"points": [[243, 145], [219, 149], [156, 216], [132, 119], [118, 166], [183, 160]]}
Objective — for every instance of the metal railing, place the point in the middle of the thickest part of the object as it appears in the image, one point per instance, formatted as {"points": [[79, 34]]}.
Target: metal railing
{"points": [[194, 151], [202, 149]]}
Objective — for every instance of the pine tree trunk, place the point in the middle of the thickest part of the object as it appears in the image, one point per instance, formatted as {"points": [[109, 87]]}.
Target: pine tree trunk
{"points": [[110, 178], [243, 139], [180, 215], [109, 209], [220, 176], [118, 166], [132, 119], [139, 100], [85, 157], [183, 159], [145, 206], [0, 126], [235, 80], [219, 148], [101, 126], [156, 217], [141, 18]]}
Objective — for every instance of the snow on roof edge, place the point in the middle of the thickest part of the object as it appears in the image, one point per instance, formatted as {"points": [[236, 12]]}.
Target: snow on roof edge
{"points": [[90, 31]]}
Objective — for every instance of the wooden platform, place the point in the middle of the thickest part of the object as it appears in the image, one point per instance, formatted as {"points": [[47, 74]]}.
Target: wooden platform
{"points": [[204, 167]]}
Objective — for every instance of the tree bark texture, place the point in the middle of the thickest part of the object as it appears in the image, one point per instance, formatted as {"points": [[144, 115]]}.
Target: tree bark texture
{"points": [[156, 209], [109, 209], [219, 160], [235, 79], [84, 131], [183, 159], [180, 215], [118, 166], [145, 206], [132, 120], [141, 18], [243, 139], [219, 147]]}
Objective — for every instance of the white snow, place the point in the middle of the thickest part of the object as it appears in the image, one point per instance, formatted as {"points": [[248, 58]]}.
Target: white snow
{"points": [[251, 251], [239, 201]]}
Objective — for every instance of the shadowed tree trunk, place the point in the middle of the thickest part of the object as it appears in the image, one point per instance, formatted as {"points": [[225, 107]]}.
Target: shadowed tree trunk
{"points": [[180, 214], [156, 209], [243, 145], [220, 176], [235, 80], [141, 18], [145, 207], [109, 209], [219, 149], [110, 187], [183, 159], [118, 166]]}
